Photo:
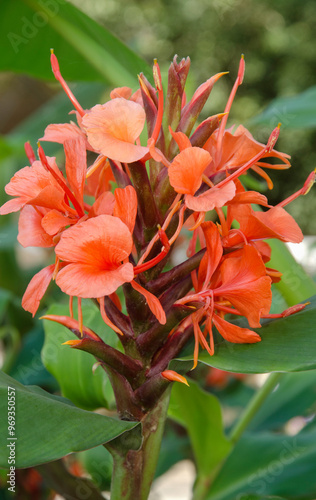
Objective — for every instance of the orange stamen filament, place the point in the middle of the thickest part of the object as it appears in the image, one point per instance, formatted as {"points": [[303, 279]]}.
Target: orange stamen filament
{"points": [[71, 309], [226, 309], [198, 222], [227, 110], [80, 319], [207, 181], [303, 191], [156, 237], [62, 184], [106, 319], [101, 160], [243, 169], [59, 78], [222, 220], [57, 263]]}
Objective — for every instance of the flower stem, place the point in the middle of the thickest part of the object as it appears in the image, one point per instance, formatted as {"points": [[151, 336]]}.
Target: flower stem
{"points": [[203, 483], [254, 405], [134, 470]]}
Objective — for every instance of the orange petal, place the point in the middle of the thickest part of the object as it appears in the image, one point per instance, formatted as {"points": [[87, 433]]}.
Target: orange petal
{"points": [[213, 244], [88, 281], [13, 205], [181, 139], [61, 132], [214, 197], [174, 377], [246, 285], [53, 221], [113, 128], [234, 333], [36, 289], [125, 206], [152, 301], [76, 166], [31, 232], [274, 223], [72, 343], [124, 92], [185, 172], [103, 205], [102, 242]]}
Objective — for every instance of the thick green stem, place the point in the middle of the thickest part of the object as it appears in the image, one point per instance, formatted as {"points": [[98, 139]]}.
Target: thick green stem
{"points": [[134, 470]]}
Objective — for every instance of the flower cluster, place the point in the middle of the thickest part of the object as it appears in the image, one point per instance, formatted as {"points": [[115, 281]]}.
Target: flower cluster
{"points": [[115, 213]]}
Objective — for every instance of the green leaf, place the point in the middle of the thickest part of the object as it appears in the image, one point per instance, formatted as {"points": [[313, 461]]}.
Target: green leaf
{"points": [[287, 345], [86, 50], [269, 464], [73, 368], [49, 427], [200, 413], [297, 112]]}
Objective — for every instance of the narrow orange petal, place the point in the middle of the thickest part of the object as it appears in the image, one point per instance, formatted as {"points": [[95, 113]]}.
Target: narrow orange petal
{"points": [[36, 289], [76, 166], [234, 333], [152, 301], [125, 206], [72, 343], [174, 377], [106, 319]]}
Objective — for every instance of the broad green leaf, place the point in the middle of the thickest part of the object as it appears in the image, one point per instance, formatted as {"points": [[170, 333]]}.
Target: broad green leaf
{"points": [[49, 427], [200, 413], [86, 51], [287, 345], [73, 368], [28, 367], [269, 464], [297, 112]]}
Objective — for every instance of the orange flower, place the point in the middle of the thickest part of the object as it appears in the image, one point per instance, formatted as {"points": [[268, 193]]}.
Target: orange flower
{"points": [[95, 250], [186, 174], [274, 223], [237, 149], [34, 186], [113, 128]]}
